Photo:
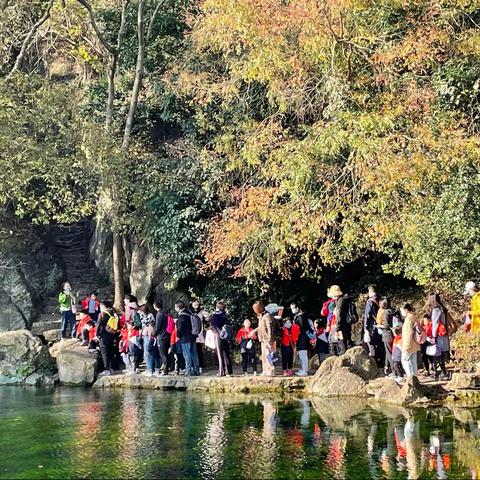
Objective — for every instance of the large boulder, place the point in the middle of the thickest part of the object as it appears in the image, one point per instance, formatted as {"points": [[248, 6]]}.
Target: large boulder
{"points": [[75, 364], [23, 355], [464, 381], [346, 375], [33, 274], [387, 390]]}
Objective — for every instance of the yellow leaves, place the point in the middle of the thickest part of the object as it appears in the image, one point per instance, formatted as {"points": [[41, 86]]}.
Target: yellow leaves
{"points": [[469, 43]]}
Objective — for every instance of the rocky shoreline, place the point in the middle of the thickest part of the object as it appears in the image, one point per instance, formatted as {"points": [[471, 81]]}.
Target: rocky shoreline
{"points": [[26, 361]]}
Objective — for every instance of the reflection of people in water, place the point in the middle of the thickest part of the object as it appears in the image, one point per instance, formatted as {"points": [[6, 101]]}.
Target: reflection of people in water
{"points": [[411, 437], [438, 460], [336, 456], [213, 444]]}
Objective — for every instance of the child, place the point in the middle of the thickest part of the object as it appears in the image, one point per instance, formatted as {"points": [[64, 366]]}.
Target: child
{"points": [[321, 336], [92, 336], [175, 351], [82, 333], [426, 359], [91, 305], [134, 347], [290, 334], [397, 353], [123, 348], [246, 339]]}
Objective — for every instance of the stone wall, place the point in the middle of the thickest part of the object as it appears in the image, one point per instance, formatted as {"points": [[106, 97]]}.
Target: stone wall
{"points": [[32, 275]]}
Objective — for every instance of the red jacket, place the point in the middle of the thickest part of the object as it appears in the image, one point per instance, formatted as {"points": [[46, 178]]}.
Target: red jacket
{"points": [[86, 301], [290, 336], [243, 334], [81, 324]]}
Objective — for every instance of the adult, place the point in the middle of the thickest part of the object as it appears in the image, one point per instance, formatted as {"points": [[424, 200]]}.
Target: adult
{"points": [[410, 340], [304, 337], [106, 332], [219, 324], [265, 335], [150, 355], [385, 317], [187, 338], [66, 302], [438, 315], [91, 305], [371, 335], [163, 335], [131, 307], [196, 307], [472, 292], [343, 322]]}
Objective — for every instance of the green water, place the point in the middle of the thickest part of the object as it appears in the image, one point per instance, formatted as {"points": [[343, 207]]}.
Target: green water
{"points": [[76, 433]]}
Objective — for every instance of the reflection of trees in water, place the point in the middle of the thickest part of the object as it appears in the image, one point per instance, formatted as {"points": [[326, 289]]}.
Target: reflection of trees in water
{"points": [[466, 439]]}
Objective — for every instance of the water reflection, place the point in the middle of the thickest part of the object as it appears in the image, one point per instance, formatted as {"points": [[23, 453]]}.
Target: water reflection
{"points": [[85, 434]]}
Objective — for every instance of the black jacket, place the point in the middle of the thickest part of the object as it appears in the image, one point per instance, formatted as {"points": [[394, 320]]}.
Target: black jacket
{"points": [[303, 342], [343, 305], [371, 310], [184, 327], [161, 324]]}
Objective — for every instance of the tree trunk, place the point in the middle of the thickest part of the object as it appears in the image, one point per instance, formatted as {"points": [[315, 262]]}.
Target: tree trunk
{"points": [[117, 262], [138, 76]]}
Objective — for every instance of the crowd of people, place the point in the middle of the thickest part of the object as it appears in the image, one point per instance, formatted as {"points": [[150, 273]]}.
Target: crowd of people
{"points": [[396, 338]]}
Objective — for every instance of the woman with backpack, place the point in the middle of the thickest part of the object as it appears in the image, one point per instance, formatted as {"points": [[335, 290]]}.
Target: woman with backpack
{"points": [[223, 335], [438, 314], [305, 335]]}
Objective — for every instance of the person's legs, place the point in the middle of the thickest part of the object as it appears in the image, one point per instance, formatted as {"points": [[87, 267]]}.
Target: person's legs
{"points": [[397, 369], [267, 368], [126, 361], [73, 323], [195, 363], [409, 364], [104, 350], [252, 359], [200, 355], [284, 351], [387, 339], [221, 365], [163, 347], [227, 360], [303, 356], [244, 362], [187, 354], [63, 328]]}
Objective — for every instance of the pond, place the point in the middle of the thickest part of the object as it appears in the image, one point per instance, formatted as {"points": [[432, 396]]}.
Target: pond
{"points": [[77, 433]]}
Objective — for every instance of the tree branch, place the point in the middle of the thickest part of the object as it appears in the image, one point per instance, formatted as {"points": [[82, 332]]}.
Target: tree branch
{"points": [[152, 21], [100, 36], [28, 38]]}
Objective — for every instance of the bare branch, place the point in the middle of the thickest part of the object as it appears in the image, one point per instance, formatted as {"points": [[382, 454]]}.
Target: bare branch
{"points": [[100, 36], [152, 21], [28, 39]]}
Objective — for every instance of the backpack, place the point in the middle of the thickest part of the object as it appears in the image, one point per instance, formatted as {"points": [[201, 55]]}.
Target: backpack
{"points": [[277, 330], [196, 324], [226, 333], [451, 325], [137, 320], [352, 314], [170, 323]]}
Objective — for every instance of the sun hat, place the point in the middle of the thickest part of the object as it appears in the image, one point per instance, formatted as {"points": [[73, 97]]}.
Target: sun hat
{"points": [[272, 308], [334, 291]]}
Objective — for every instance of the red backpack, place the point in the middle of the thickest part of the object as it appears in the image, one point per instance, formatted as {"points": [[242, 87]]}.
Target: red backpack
{"points": [[170, 323]]}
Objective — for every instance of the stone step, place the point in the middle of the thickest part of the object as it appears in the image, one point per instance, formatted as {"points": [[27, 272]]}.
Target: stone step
{"points": [[46, 322]]}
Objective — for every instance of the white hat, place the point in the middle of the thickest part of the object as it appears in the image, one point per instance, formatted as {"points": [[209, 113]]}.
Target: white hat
{"points": [[272, 308], [469, 286]]}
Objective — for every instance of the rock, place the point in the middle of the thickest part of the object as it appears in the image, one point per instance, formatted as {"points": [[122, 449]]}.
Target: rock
{"points": [[21, 355], [35, 274], [412, 392], [52, 336], [360, 363], [76, 365], [464, 380], [40, 380], [389, 391], [346, 375]]}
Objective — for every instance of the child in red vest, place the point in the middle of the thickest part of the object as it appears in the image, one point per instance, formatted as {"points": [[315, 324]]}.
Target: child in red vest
{"points": [[246, 339], [81, 331], [397, 353], [290, 334]]}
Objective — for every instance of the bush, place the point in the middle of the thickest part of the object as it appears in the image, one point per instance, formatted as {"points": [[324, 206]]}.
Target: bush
{"points": [[466, 351]]}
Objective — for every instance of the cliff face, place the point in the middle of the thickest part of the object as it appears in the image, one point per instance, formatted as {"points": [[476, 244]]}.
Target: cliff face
{"points": [[31, 274], [144, 274]]}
